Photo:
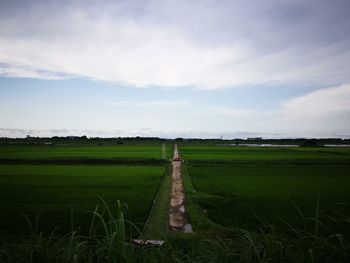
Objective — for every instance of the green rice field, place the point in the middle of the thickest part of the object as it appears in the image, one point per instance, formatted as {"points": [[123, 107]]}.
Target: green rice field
{"points": [[240, 196], [251, 203], [263, 153], [71, 151], [271, 184], [55, 191]]}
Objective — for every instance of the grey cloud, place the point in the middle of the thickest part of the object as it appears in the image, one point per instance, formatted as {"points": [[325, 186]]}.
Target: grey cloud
{"points": [[191, 43]]}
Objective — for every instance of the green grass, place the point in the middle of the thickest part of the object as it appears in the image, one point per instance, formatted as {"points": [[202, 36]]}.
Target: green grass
{"points": [[191, 153], [241, 196], [158, 224], [55, 189], [201, 224], [70, 151]]}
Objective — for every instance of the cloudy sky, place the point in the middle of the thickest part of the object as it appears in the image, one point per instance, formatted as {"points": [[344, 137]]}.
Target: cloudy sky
{"points": [[238, 68]]}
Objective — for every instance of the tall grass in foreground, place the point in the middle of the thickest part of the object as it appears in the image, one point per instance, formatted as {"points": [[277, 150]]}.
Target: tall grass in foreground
{"points": [[107, 240]]}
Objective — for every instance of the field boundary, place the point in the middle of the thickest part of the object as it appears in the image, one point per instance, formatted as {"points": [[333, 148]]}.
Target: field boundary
{"points": [[178, 217], [155, 200], [201, 223], [156, 226]]}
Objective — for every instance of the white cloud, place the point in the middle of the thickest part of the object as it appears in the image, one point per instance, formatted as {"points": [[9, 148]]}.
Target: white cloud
{"points": [[324, 112], [321, 112], [22, 72], [139, 50], [319, 104], [117, 51], [150, 104]]}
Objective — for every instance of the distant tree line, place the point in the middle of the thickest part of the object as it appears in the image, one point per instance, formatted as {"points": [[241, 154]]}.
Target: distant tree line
{"points": [[84, 140], [81, 140], [286, 141]]}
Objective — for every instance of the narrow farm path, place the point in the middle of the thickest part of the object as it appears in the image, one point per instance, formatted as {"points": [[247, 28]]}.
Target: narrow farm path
{"points": [[168, 212], [178, 220]]}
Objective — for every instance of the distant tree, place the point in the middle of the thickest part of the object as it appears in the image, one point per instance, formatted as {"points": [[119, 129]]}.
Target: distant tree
{"points": [[309, 142]]}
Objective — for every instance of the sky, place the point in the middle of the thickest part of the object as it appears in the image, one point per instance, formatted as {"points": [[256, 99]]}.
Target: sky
{"points": [[231, 68]]}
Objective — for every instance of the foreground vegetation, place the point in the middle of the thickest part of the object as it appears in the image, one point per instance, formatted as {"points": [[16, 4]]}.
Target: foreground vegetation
{"points": [[314, 244]]}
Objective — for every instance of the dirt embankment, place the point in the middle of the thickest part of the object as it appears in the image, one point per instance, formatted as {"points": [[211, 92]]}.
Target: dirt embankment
{"points": [[178, 218]]}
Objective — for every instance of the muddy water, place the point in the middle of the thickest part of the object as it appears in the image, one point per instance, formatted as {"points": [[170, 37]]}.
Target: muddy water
{"points": [[178, 218]]}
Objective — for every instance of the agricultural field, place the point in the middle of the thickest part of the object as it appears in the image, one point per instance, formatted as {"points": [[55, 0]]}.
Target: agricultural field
{"points": [[245, 196], [84, 151], [213, 153], [246, 187], [237, 198], [55, 191]]}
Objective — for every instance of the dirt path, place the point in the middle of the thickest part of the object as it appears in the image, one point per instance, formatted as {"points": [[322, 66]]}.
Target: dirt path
{"points": [[177, 215]]}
